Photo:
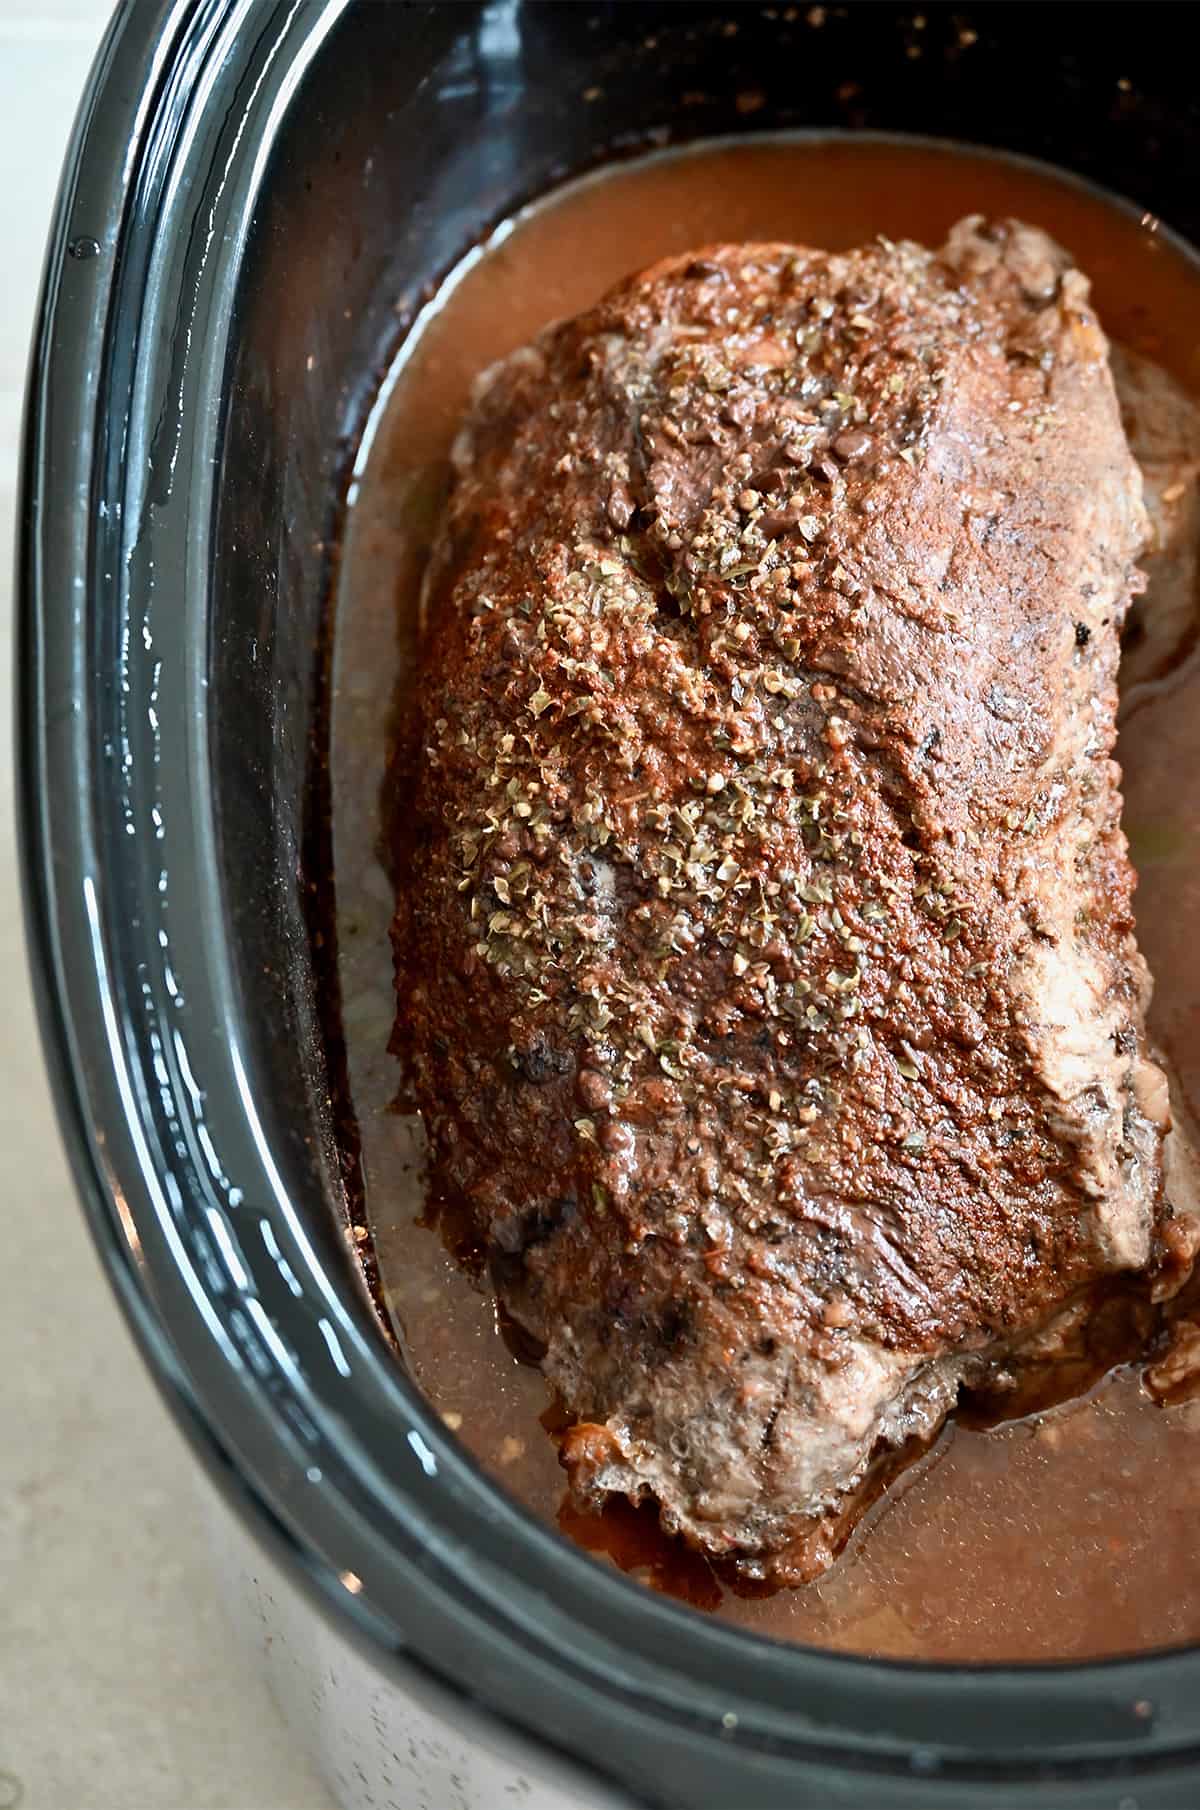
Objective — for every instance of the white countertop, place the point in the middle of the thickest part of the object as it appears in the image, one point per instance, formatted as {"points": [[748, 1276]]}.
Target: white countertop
{"points": [[120, 1687]]}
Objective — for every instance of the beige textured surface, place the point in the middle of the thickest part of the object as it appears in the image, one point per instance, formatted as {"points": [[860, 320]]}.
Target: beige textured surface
{"points": [[120, 1686]]}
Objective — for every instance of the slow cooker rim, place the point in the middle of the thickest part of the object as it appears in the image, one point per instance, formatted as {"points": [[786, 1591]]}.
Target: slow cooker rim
{"points": [[66, 933]]}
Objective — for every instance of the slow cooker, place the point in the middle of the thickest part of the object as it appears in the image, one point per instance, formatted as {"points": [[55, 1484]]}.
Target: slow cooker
{"points": [[257, 198]]}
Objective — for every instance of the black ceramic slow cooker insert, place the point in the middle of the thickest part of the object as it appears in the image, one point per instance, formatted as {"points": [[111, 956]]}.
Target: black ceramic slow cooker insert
{"points": [[256, 196]]}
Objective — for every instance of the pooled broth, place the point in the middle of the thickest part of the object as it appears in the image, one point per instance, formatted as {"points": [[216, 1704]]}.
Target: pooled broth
{"points": [[1066, 1536]]}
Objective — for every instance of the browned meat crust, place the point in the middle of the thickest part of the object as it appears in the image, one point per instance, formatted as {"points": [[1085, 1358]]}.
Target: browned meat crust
{"points": [[765, 949], [1163, 425]]}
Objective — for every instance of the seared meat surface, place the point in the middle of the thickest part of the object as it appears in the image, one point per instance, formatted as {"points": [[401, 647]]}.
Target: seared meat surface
{"points": [[1162, 423], [765, 954]]}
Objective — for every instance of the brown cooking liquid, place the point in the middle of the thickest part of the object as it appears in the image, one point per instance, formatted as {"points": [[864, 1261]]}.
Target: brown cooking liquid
{"points": [[1062, 1537]]}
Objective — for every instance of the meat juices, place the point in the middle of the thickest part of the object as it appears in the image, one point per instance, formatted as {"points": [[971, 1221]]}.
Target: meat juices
{"points": [[777, 1015], [1065, 1535]]}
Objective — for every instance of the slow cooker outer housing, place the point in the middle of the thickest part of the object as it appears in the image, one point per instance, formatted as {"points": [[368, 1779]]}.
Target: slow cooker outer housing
{"points": [[256, 198]]}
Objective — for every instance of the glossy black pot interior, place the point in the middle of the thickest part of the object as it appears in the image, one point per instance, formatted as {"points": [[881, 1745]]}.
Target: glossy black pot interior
{"points": [[257, 197]]}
